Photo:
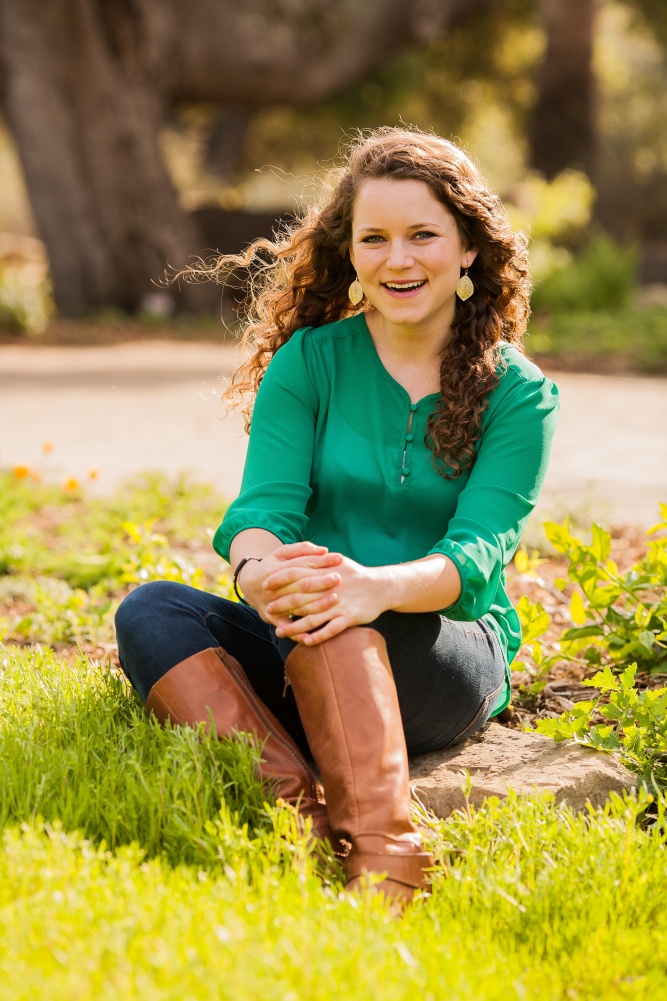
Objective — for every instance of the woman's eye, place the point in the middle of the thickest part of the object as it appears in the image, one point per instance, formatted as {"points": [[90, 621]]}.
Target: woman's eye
{"points": [[424, 234], [373, 238]]}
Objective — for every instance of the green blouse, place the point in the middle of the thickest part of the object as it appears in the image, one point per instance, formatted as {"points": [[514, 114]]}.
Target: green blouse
{"points": [[337, 455]]}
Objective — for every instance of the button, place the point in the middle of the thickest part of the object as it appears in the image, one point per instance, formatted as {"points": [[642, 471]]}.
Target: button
{"points": [[405, 471], [413, 406], [409, 437]]}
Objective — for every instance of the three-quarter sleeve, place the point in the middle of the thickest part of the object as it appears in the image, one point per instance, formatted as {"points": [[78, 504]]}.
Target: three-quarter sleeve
{"points": [[502, 489], [276, 479]]}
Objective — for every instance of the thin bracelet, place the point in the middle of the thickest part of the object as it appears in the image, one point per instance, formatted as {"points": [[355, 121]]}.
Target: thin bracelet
{"points": [[246, 559]]}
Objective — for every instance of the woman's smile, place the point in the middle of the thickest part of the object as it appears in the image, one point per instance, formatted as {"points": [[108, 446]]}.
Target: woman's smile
{"points": [[404, 290]]}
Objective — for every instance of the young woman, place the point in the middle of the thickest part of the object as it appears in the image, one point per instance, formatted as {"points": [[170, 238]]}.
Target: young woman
{"points": [[399, 441]]}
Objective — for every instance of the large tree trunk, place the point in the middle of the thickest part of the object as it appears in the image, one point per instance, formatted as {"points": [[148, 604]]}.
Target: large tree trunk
{"points": [[562, 131], [84, 87], [79, 100]]}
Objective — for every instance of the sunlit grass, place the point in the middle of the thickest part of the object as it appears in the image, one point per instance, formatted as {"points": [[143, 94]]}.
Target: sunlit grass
{"points": [[182, 882], [142, 862], [75, 746]]}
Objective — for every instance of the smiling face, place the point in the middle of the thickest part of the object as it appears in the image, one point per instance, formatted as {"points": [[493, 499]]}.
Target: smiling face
{"points": [[408, 253]]}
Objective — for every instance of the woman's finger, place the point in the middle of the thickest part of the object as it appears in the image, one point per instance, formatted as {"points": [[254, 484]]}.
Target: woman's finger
{"points": [[303, 624], [332, 628], [299, 579], [316, 561], [301, 604], [306, 554], [291, 550]]}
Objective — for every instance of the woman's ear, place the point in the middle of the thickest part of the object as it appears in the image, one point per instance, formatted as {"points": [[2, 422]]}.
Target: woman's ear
{"points": [[469, 257], [351, 253]]}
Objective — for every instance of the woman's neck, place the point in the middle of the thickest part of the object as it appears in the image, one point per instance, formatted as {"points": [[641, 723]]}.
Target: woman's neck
{"points": [[417, 346]]}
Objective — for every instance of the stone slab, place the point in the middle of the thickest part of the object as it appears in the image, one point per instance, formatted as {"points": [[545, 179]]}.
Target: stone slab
{"points": [[498, 759]]}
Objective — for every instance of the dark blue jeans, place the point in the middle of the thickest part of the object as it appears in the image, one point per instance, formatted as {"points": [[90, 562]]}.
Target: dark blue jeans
{"points": [[448, 674]]}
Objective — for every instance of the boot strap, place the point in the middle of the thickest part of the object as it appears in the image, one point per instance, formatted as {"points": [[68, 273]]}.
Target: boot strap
{"points": [[407, 869]]}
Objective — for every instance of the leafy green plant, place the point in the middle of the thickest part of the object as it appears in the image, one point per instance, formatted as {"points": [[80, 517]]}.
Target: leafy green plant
{"points": [[634, 724], [534, 623], [619, 618]]}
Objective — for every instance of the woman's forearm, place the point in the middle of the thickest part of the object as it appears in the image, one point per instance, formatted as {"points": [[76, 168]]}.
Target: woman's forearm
{"points": [[425, 585], [252, 542]]}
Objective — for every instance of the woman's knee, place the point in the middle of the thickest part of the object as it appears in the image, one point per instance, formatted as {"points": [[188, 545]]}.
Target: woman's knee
{"points": [[157, 626], [145, 605], [142, 602]]}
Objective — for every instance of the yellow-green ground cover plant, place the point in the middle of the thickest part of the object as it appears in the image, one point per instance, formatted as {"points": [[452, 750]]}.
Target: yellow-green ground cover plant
{"points": [[142, 862]]}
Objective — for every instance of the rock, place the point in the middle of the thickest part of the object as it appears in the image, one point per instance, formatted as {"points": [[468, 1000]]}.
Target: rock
{"points": [[498, 759]]}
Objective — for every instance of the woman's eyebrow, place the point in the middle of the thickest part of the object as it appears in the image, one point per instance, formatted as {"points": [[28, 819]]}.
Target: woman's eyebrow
{"points": [[415, 225]]}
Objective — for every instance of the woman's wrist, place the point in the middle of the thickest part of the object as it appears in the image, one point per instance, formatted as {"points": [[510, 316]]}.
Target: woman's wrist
{"points": [[236, 581], [250, 579], [386, 586], [425, 585]]}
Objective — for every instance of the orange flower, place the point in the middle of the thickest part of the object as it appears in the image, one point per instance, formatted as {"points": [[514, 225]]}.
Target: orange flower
{"points": [[93, 473], [70, 485], [21, 472], [47, 447]]}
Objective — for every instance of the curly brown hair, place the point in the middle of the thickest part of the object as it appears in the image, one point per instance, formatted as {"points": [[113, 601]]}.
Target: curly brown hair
{"points": [[302, 279]]}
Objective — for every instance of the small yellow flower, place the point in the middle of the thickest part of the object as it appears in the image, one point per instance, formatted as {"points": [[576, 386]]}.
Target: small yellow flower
{"points": [[47, 447], [93, 473], [70, 485], [21, 472]]}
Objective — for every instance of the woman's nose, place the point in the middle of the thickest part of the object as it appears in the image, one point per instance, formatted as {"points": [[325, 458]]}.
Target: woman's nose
{"points": [[399, 255]]}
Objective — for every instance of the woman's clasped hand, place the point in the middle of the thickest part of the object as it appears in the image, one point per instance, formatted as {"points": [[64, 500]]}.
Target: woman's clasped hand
{"points": [[310, 594]]}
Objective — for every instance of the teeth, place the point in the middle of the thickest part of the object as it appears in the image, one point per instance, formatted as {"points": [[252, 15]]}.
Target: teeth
{"points": [[403, 285]]}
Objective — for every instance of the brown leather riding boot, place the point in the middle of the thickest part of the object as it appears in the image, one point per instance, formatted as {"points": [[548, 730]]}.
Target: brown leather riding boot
{"points": [[212, 685], [347, 700]]}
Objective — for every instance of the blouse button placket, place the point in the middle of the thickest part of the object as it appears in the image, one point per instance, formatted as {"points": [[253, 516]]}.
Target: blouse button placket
{"points": [[407, 445]]}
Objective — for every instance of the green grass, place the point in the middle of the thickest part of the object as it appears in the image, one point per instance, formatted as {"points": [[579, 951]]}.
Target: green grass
{"points": [[142, 862], [66, 559], [48, 530], [75, 746], [182, 883]]}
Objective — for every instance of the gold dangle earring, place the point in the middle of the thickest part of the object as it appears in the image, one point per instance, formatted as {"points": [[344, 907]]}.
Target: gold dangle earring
{"points": [[355, 292], [465, 287]]}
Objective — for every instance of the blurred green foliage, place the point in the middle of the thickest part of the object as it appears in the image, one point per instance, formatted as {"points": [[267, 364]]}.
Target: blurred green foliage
{"points": [[477, 85], [602, 276], [610, 340]]}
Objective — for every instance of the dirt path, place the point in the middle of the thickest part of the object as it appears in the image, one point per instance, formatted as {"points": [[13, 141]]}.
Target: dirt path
{"points": [[155, 405]]}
